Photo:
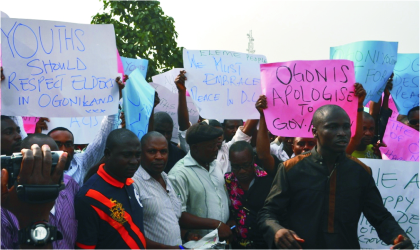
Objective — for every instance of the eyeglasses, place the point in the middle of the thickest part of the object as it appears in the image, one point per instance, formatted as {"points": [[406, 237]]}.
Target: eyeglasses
{"points": [[413, 122], [243, 166], [67, 144]]}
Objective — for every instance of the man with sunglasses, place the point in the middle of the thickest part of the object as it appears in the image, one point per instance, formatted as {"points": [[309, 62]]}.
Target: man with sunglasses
{"points": [[248, 185]]}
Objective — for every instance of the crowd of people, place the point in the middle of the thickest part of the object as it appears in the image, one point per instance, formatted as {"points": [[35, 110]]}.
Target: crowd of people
{"points": [[257, 190]]}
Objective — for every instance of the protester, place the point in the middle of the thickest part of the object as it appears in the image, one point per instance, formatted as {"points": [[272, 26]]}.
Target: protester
{"points": [[10, 136], [295, 214], [230, 127], [413, 118], [35, 161], [243, 133], [366, 149], [109, 212], [282, 148], [301, 145], [62, 215], [248, 186], [198, 181], [161, 206], [164, 124]]}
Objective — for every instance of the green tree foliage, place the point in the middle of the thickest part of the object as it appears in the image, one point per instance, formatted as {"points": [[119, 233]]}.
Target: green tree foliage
{"points": [[143, 30]]}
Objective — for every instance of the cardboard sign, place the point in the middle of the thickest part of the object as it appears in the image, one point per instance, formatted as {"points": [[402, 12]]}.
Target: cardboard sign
{"points": [[406, 82], [296, 89], [402, 142], [398, 183], [224, 84], [138, 99], [374, 62], [169, 104], [130, 64], [29, 124], [167, 79], [84, 129], [58, 69]]}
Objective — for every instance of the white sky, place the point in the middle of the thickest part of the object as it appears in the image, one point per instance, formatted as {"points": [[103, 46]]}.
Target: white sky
{"points": [[283, 30]]}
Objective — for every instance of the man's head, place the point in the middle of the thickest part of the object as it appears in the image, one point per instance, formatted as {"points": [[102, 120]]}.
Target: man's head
{"points": [[301, 144], [122, 154], [39, 139], [413, 118], [241, 158], [10, 136], [65, 142], [288, 144], [216, 124], [154, 152], [203, 140], [230, 127], [368, 129], [163, 124], [331, 128]]}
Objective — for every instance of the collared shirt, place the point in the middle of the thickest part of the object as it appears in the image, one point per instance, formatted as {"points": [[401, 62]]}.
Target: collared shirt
{"points": [[223, 154], [82, 162], [62, 216], [161, 208], [277, 150], [109, 213], [367, 153], [202, 192]]}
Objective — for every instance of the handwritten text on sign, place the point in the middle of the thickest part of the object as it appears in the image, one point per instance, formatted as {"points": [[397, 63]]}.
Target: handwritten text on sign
{"points": [[84, 129], [399, 187], [167, 79], [169, 104], [296, 89], [223, 84], [402, 142], [130, 64], [374, 62], [138, 99], [29, 124], [406, 82], [57, 69]]}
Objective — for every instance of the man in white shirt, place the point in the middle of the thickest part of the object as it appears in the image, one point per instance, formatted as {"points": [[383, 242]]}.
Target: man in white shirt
{"points": [[161, 206], [199, 182]]}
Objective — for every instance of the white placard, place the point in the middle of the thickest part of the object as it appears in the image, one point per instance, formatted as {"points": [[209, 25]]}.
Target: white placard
{"points": [[398, 183], [84, 129], [58, 69], [224, 84], [169, 104], [167, 79]]}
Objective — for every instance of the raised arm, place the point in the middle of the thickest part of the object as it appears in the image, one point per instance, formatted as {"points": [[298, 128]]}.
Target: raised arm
{"points": [[183, 119], [152, 115], [263, 139], [355, 140]]}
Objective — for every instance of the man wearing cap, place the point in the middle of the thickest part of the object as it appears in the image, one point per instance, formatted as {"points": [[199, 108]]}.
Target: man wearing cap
{"points": [[198, 181]]}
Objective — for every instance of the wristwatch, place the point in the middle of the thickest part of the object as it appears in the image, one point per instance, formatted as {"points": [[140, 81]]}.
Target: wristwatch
{"points": [[39, 234]]}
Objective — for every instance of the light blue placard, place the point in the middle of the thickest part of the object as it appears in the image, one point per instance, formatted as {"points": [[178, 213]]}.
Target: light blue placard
{"points": [[138, 99], [130, 64], [374, 62], [405, 91]]}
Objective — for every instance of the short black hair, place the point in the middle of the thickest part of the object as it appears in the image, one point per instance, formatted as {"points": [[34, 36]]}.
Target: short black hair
{"points": [[162, 117], [412, 110], [226, 120], [213, 122], [116, 137], [320, 113], [61, 129], [5, 117], [366, 116], [240, 146], [149, 135], [29, 140]]}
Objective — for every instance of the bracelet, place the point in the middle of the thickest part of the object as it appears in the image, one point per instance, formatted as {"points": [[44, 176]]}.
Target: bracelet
{"points": [[219, 225], [181, 247], [360, 109]]}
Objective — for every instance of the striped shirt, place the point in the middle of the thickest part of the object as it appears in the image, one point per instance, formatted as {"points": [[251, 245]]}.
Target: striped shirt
{"points": [[109, 213], [62, 216], [161, 208], [203, 193]]}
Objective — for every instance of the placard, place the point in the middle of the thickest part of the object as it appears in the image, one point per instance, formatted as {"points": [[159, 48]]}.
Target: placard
{"points": [[224, 84], [130, 64], [58, 69], [296, 89]]}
